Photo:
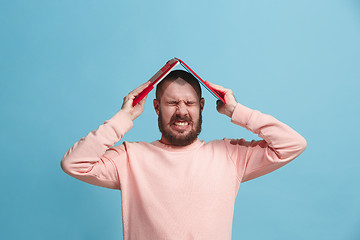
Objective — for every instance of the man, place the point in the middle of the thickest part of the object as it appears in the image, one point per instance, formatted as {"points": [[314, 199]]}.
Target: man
{"points": [[180, 187]]}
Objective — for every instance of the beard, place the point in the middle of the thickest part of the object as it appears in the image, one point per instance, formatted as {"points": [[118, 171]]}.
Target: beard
{"points": [[180, 139]]}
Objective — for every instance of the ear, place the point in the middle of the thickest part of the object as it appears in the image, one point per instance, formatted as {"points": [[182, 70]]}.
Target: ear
{"points": [[202, 103], [156, 106]]}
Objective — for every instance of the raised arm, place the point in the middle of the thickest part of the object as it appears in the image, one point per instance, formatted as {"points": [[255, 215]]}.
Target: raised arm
{"points": [[253, 159], [89, 159]]}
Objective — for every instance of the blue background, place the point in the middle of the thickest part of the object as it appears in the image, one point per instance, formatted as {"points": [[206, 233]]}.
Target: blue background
{"points": [[66, 65]]}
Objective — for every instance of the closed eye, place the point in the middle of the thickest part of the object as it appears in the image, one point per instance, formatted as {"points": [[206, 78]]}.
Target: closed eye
{"points": [[175, 103], [172, 103]]}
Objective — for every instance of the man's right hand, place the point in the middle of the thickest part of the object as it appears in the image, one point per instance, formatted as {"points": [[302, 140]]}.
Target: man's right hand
{"points": [[134, 111]]}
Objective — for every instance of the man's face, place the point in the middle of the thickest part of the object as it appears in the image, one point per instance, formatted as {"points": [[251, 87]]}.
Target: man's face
{"points": [[179, 109]]}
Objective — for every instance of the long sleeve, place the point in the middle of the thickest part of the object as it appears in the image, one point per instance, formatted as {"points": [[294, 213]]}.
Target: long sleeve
{"points": [[86, 160], [253, 159]]}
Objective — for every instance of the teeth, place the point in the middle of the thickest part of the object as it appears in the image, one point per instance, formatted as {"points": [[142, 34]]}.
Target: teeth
{"points": [[181, 123]]}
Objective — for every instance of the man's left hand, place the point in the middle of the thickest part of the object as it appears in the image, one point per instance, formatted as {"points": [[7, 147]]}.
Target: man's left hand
{"points": [[229, 98]]}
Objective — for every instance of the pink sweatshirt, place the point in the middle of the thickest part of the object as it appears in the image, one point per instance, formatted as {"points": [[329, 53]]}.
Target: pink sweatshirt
{"points": [[186, 192]]}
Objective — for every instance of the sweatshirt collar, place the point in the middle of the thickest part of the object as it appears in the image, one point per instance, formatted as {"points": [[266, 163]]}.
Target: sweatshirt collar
{"points": [[172, 148]]}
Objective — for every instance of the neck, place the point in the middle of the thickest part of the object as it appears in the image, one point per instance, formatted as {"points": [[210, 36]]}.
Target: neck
{"points": [[163, 140]]}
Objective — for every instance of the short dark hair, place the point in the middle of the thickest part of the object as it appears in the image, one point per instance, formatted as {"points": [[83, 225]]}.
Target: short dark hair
{"points": [[175, 74]]}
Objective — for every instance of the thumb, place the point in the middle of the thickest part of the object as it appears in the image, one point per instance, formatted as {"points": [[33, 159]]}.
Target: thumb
{"points": [[219, 105]]}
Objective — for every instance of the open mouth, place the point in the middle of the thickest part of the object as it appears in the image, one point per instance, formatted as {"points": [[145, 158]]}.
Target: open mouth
{"points": [[180, 125]]}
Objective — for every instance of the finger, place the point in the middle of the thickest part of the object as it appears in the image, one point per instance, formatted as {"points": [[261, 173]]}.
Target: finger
{"points": [[219, 104], [139, 89], [214, 85], [142, 101], [217, 87]]}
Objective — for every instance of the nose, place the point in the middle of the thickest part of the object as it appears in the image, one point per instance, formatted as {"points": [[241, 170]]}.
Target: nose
{"points": [[181, 109]]}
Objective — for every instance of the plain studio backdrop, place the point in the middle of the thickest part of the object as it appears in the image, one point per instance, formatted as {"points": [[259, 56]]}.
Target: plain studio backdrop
{"points": [[65, 67]]}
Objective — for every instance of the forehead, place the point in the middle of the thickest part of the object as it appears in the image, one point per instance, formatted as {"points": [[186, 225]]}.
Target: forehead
{"points": [[178, 89]]}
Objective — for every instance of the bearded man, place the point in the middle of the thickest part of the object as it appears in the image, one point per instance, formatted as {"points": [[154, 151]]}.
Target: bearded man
{"points": [[180, 187]]}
